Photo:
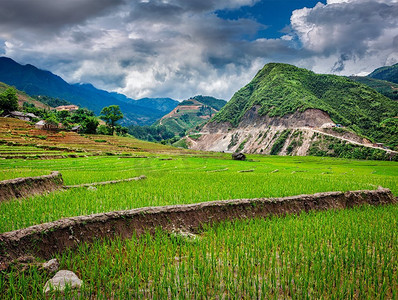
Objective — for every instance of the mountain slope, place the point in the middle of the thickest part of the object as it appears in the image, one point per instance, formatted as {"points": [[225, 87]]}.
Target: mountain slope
{"points": [[34, 81], [389, 73], [292, 111], [280, 89], [386, 88], [191, 113], [164, 105]]}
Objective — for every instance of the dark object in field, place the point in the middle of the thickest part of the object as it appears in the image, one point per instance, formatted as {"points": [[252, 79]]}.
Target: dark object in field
{"points": [[238, 156], [45, 240]]}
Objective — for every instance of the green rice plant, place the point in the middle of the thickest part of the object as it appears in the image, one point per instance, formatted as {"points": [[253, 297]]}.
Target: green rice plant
{"points": [[182, 180], [342, 254]]}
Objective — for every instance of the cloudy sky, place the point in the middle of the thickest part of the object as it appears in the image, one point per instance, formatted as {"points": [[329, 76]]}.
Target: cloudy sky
{"points": [[180, 48]]}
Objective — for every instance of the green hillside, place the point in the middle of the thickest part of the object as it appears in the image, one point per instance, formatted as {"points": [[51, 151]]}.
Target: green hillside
{"points": [[389, 73], [280, 89], [191, 113], [217, 104], [24, 98], [386, 88]]}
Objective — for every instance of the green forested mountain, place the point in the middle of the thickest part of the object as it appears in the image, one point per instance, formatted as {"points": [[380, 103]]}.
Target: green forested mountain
{"points": [[386, 88], [389, 73], [280, 89]]}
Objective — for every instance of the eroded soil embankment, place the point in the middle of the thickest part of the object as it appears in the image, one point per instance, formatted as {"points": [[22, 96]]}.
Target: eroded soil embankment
{"points": [[46, 239], [27, 186]]}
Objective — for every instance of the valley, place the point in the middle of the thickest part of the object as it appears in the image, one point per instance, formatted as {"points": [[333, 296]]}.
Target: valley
{"points": [[302, 215]]}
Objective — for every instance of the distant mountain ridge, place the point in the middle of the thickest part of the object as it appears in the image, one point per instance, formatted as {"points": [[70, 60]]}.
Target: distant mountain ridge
{"points": [[34, 81], [388, 73], [386, 88]]}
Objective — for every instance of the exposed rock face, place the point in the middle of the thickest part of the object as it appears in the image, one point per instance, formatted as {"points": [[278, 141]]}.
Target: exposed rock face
{"points": [[61, 280], [258, 134]]}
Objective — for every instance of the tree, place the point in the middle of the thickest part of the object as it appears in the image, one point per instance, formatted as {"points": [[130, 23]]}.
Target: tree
{"points": [[111, 114], [90, 125], [9, 100]]}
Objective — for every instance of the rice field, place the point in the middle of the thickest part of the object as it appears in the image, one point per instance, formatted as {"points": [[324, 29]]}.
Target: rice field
{"points": [[349, 254], [182, 180]]}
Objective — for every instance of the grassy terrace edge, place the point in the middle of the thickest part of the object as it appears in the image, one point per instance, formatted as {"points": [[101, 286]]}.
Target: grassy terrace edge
{"points": [[47, 239]]}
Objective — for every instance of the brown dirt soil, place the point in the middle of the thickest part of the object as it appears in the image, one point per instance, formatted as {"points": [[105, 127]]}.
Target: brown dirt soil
{"points": [[23, 187], [47, 239], [105, 182]]}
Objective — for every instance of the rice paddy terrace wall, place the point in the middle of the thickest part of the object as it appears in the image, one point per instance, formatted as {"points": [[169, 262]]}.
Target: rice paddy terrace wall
{"points": [[27, 186], [46, 239]]}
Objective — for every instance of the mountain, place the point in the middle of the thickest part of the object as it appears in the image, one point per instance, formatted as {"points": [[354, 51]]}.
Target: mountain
{"points": [[34, 81], [164, 105], [386, 88], [289, 110], [389, 73], [191, 113]]}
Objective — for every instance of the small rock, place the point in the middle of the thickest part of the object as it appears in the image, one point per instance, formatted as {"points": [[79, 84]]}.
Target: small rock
{"points": [[238, 156], [185, 235], [61, 280], [274, 171], [91, 188], [51, 266]]}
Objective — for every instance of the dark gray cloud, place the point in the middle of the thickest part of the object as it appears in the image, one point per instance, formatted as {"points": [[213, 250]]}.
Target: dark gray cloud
{"points": [[50, 15], [179, 48]]}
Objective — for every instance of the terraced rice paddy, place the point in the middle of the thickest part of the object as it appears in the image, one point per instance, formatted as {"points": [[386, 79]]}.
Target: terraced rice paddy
{"points": [[183, 180], [348, 254]]}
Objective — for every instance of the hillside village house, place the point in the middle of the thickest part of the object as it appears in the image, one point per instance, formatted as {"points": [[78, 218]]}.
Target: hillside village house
{"points": [[67, 108], [46, 126]]}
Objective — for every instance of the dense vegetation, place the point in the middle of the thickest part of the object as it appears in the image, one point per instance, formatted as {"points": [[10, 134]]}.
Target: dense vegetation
{"points": [[386, 88], [83, 117], [330, 146], [389, 73], [151, 133], [8, 100], [280, 89]]}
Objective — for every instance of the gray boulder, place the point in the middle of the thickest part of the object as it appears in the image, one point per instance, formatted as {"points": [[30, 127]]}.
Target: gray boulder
{"points": [[61, 280]]}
